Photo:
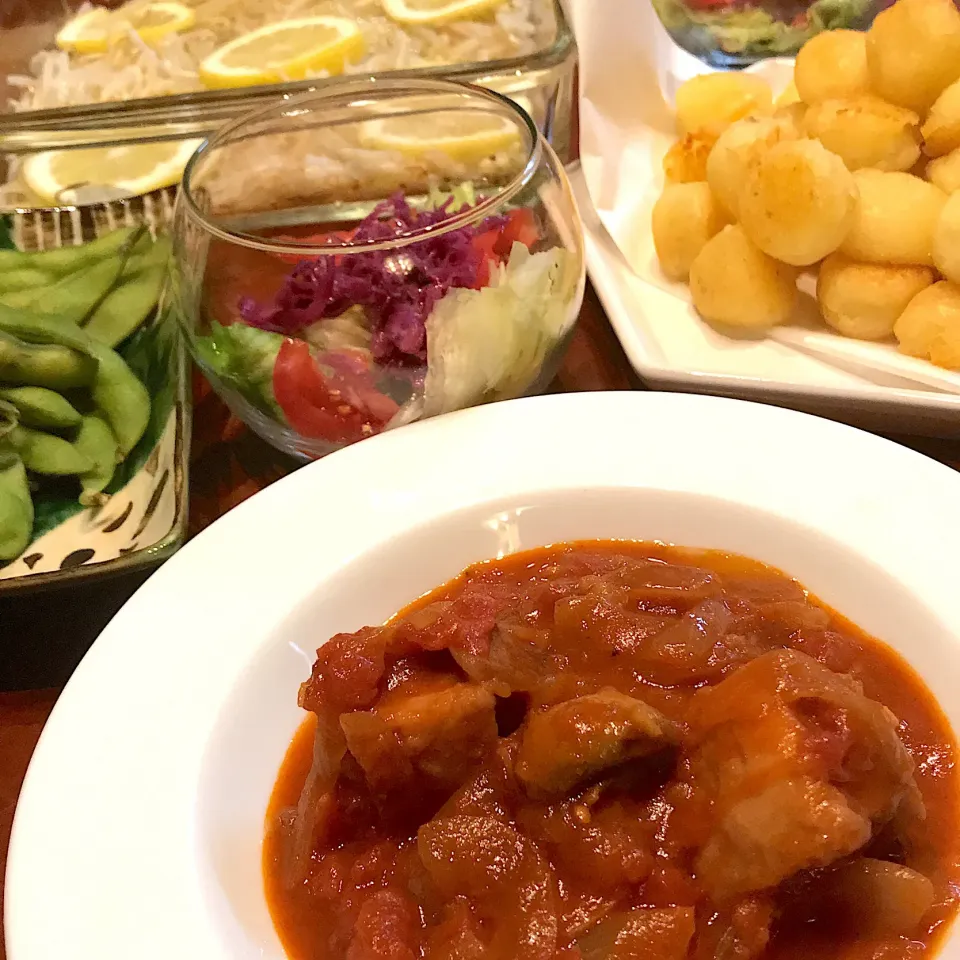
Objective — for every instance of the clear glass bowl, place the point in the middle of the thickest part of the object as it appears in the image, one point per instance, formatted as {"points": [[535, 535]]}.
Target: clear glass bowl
{"points": [[352, 261]]}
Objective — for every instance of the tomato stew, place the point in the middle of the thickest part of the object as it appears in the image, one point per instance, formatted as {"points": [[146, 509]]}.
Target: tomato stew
{"points": [[613, 750]]}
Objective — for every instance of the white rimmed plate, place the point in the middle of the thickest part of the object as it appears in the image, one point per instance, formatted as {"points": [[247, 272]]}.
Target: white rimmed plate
{"points": [[140, 822]]}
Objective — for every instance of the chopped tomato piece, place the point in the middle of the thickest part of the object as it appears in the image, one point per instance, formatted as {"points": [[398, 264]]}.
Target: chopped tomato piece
{"points": [[485, 244], [326, 408], [495, 245], [521, 227]]}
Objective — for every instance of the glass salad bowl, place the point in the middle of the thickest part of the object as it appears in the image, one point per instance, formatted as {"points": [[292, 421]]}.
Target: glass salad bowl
{"points": [[355, 260]]}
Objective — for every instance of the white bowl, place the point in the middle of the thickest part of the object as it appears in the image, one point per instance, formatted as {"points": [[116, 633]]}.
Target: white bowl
{"points": [[138, 834]]}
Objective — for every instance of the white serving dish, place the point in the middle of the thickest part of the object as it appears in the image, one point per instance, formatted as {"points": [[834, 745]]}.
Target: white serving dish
{"points": [[139, 829], [671, 348]]}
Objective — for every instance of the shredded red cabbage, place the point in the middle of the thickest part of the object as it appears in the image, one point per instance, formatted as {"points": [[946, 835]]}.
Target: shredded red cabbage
{"points": [[398, 289]]}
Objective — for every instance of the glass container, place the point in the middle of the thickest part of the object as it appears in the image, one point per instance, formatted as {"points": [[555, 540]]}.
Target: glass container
{"points": [[352, 261]]}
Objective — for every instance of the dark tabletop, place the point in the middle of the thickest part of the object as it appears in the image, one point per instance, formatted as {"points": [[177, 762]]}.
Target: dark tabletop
{"points": [[228, 464]]}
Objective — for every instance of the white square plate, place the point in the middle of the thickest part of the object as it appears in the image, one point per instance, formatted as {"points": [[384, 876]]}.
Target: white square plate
{"points": [[671, 348]]}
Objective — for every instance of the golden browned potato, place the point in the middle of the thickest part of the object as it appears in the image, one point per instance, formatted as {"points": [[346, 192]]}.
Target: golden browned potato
{"points": [[945, 349], [864, 300], [946, 239], [929, 327], [684, 218], [941, 129], [832, 66], [738, 147], [798, 202], [712, 101], [945, 172], [866, 132], [913, 52], [686, 160], [735, 284], [895, 218]]}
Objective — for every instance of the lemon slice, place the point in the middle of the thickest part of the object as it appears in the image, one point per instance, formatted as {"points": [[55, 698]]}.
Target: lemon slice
{"points": [[127, 170], [462, 136], [288, 50], [437, 11], [95, 30]]}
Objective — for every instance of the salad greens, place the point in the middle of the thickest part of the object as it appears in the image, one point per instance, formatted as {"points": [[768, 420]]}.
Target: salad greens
{"points": [[244, 358], [357, 342], [490, 344], [705, 27]]}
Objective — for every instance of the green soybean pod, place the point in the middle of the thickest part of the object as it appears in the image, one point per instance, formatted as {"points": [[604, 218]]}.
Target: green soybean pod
{"points": [[9, 417], [95, 439], [47, 454], [44, 365], [16, 507], [66, 259], [74, 296], [121, 398], [129, 303], [43, 408], [117, 393], [37, 328], [24, 278]]}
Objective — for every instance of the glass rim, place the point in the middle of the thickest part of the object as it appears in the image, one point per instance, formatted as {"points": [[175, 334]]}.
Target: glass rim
{"points": [[474, 214]]}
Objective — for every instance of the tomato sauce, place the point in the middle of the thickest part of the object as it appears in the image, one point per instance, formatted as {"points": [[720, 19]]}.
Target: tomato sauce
{"points": [[524, 831]]}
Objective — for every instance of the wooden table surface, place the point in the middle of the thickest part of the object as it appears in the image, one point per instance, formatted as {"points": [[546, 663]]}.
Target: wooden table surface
{"points": [[228, 465]]}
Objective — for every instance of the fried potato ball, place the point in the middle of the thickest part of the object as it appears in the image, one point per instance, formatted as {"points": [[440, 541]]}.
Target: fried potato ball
{"points": [[945, 172], [685, 217], [913, 52], [929, 327], [832, 66], [866, 132], [712, 101], [735, 284], [686, 160], [894, 219], [864, 300], [946, 240], [798, 202], [941, 129], [740, 145]]}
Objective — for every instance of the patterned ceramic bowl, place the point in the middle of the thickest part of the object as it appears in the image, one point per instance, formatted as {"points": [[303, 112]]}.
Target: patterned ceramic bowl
{"points": [[142, 517]]}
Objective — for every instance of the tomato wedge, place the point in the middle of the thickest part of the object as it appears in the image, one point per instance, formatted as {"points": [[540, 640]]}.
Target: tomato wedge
{"points": [[484, 244], [521, 227], [495, 245], [338, 409]]}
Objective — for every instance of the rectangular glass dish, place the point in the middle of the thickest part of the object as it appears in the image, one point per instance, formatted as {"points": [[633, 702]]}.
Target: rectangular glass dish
{"points": [[541, 81]]}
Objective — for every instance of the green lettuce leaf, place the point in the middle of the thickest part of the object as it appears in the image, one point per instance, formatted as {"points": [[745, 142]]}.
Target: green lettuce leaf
{"points": [[244, 357], [490, 344]]}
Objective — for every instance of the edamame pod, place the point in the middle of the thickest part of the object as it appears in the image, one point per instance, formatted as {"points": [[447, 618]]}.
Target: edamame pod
{"points": [[24, 278], [117, 393], [45, 364], [75, 295], [16, 507], [9, 417], [40, 407], [47, 454], [126, 306], [66, 259], [121, 398], [95, 439]]}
